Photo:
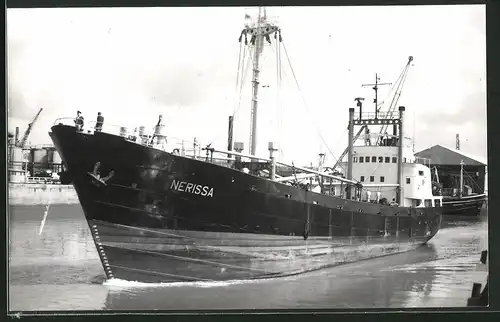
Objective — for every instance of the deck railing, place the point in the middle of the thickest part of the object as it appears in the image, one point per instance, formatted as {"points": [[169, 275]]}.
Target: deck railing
{"points": [[380, 115], [185, 147], [192, 149], [42, 180], [424, 161]]}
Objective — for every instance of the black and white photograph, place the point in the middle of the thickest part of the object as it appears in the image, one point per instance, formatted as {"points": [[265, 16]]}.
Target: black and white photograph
{"points": [[247, 158]]}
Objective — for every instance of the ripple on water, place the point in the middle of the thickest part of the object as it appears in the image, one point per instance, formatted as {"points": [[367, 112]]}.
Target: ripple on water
{"points": [[60, 270]]}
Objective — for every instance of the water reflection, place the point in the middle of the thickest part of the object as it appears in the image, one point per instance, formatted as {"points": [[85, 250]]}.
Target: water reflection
{"points": [[64, 265], [57, 297], [363, 284], [64, 251], [437, 275]]}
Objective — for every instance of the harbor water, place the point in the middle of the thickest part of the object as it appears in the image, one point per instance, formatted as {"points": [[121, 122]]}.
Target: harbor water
{"points": [[57, 268]]}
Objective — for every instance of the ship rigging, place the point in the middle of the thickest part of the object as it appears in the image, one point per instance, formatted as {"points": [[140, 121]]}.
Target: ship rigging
{"points": [[166, 215]]}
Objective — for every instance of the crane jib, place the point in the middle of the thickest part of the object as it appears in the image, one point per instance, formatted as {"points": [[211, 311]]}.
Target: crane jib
{"points": [[23, 141]]}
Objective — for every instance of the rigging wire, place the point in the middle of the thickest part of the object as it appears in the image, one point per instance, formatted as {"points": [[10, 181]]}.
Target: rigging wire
{"points": [[238, 73], [275, 48], [280, 106], [473, 181], [305, 103], [241, 75], [400, 82]]}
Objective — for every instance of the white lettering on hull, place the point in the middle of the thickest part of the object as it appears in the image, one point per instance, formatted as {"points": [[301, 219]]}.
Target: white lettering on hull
{"points": [[193, 188]]}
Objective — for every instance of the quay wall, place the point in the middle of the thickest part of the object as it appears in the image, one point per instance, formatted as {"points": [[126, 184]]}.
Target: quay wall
{"points": [[41, 194]]}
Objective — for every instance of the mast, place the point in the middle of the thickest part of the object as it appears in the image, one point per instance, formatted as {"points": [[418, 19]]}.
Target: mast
{"points": [[255, 84], [399, 191], [258, 32], [350, 151], [375, 88]]}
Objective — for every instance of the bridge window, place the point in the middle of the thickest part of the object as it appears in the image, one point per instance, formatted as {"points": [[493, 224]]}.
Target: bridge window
{"points": [[387, 159], [420, 173], [355, 159], [428, 203], [407, 180], [362, 179], [380, 159], [382, 179], [394, 160], [367, 159], [361, 159], [372, 178], [437, 203], [374, 159]]}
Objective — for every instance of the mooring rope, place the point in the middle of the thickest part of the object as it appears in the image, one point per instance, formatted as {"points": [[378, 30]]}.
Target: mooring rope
{"points": [[42, 224]]}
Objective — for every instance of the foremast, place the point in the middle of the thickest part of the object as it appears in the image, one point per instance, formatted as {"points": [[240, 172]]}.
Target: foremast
{"points": [[258, 31]]}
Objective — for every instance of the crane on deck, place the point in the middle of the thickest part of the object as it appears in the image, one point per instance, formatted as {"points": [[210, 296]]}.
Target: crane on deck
{"points": [[22, 142], [347, 149], [392, 108], [399, 87]]}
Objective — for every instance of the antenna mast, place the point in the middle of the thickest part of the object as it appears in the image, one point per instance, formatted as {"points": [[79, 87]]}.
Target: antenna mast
{"points": [[375, 88], [258, 31]]}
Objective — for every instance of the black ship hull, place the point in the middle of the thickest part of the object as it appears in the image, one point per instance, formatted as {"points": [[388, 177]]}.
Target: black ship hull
{"points": [[469, 206], [159, 217]]}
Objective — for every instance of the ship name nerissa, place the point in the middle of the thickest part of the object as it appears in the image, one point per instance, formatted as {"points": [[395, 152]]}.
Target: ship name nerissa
{"points": [[193, 188]]}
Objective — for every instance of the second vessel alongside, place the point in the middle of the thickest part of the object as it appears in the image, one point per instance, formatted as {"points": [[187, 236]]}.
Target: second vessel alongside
{"points": [[459, 178]]}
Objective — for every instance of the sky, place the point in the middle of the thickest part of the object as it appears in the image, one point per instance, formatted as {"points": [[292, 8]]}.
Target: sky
{"points": [[132, 64]]}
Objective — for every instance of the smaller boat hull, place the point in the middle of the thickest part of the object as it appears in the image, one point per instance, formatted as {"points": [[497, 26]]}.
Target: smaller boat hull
{"points": [[165, 256], [469, 206]]}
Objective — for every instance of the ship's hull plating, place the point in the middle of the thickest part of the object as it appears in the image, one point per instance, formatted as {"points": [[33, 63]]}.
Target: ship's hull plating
{"points": [[164, 255], [166, 218], [469, 206]]}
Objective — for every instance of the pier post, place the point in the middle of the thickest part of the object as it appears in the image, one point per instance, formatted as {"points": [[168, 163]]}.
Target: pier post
{"points": [[399, 189], [238, 147], [272, 171], [195, 145], [350, 154], [320, 169]]}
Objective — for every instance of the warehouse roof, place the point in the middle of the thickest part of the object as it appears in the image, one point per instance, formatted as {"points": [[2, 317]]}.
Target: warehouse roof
{"points": [[441, 155]]}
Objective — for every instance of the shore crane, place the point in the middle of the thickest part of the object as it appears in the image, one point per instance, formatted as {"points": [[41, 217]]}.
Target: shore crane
{"points": [[22, 142]]}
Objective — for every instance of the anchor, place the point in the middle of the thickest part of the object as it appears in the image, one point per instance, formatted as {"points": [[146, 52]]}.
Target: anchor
{"points": [[97, 179]]}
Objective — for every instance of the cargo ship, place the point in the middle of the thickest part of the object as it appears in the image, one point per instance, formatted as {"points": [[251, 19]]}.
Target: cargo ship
{"points": [[159, 212]]}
